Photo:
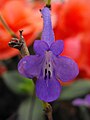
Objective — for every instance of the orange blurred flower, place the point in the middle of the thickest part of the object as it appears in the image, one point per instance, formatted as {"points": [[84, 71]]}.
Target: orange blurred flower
{"points": [[18, 15], [2, 2]]}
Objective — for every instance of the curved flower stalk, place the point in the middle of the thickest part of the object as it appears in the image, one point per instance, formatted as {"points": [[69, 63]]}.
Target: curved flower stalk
{"points": [[47, 66]]}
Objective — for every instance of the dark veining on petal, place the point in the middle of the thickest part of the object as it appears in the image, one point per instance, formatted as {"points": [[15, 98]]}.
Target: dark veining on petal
{"points": [[49, 65], [49, 74], [45, 74]]}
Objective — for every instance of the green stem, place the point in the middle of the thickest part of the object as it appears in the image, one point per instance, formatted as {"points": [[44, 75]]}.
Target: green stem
{"points": [[48, 110], [7, 27], [49, 1], [48, 4]]}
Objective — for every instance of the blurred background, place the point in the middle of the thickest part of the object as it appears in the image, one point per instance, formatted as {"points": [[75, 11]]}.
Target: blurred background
{"points": [[71, 23]]}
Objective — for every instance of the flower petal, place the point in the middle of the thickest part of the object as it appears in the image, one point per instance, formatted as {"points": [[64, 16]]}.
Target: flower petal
{"points": [[78, 102], [48, 90], [65, 68], [57, 47], [30, 66], [87, 98], [40, 47], [47, 33]]}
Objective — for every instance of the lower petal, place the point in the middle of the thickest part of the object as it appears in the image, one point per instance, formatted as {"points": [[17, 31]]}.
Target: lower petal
{"points": [[65, 68], [48, 90]]}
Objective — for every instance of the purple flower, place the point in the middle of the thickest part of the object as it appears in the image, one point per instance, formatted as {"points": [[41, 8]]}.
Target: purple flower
{"points": [[82, 102], [47, 65]]}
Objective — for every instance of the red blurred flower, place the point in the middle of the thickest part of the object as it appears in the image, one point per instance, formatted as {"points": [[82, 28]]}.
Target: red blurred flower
{"points": [[73, 18], [73, 26], [84, 58], [78, 48], [18, 15]]}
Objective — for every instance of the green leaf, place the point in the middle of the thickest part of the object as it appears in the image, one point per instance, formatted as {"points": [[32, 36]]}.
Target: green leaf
{"points": [[77, 89], [31, 110], [84, 113], [17, 83]]}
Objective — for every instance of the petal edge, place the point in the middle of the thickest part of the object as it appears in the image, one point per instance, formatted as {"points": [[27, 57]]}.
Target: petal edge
{"points": [[57, 47]]}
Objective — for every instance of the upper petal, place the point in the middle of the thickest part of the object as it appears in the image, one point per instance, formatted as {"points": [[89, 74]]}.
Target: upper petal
{"points": [[40, 47], [48, 90], [47, 33], [65, 68], [57, 47], [30, 66]]}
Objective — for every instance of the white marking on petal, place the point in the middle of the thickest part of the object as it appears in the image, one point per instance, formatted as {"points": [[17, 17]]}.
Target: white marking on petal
{"points": [[24, 62], [48, 68]]}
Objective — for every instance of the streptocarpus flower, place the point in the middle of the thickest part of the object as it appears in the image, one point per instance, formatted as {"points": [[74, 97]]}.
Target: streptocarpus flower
{"points": [[47, 65], [82, 102]]}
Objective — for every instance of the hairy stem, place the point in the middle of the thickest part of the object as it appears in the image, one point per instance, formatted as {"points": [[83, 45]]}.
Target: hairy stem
{"points": [[24, 50], [19, 44]]}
